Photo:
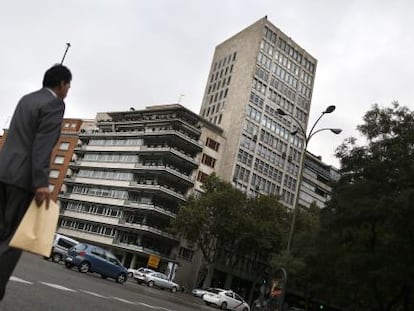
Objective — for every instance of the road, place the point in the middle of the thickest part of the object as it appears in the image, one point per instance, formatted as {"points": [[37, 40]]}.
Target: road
{"points": [[41, 285]]}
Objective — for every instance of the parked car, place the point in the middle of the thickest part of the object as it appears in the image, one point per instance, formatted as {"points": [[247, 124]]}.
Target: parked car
{"points": [[226, 300], [139, 275], [91, 258], [198, 292], [60, 247], [160, 280]]}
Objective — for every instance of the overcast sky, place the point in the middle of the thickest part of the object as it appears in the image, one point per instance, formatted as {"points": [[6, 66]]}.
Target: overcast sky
{"points": [[132, 53]]}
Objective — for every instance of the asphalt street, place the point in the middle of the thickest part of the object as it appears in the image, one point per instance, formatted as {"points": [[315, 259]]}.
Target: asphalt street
{"points": [[41, 285]]}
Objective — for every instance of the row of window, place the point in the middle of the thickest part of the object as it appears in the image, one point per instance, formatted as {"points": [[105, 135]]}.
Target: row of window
{"points": [[101, 192], [94, 209], [245, 157], [253, 113], [269, 155], [116, 142], [283, 88], [106, 175], [268, 170], [272, 141], [119, 158], [226, 60], [241, 173], [87, 227], [218, 96], [290, 183], [290, 50], [262, 184], [280, 100]]}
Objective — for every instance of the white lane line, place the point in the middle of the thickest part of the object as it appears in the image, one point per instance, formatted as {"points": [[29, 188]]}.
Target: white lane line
{"points": [[123, 300], [93, 294], [148, 306], [16, 279], [161, 308], [58, 287]]}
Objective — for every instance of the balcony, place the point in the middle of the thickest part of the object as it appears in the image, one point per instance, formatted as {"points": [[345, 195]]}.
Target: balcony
{"points": [[87, 236], [155, 187], [91, 199], [149, 207]]}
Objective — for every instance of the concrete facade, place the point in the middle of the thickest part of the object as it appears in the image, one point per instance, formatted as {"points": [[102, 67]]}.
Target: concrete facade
{"points": [[252, 74]]}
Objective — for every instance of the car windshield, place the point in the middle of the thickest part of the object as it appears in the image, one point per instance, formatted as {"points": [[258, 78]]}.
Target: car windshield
{"points": [[215, 290]]}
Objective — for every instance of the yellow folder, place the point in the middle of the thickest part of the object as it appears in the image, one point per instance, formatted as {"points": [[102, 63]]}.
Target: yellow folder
{"points": [[37, 228]]}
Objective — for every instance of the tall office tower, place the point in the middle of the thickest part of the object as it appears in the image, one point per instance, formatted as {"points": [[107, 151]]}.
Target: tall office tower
{"points": [[254, 73]]}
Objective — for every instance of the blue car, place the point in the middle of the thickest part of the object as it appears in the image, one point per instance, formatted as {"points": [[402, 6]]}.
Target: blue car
{"points": [[91, 258]]}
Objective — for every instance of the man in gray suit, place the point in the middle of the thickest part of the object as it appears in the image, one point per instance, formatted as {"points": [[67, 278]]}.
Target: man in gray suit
{"points": [[25, 157]]}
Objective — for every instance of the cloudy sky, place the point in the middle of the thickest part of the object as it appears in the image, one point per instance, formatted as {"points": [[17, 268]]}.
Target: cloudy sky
{"points": [[135, 53]]}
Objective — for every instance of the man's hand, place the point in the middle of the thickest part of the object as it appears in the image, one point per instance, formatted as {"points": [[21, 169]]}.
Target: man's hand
{"points": [[42, 194]]}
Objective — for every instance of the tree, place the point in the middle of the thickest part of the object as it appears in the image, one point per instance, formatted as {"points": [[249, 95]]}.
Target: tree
{"points": [[367, 232], [226, 225]]}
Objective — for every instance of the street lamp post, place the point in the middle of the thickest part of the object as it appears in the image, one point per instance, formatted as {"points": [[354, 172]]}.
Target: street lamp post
{"points": [[308, 136]]}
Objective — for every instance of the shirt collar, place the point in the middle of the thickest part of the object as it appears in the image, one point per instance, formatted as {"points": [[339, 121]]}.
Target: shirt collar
{"points": [[51, 91]]}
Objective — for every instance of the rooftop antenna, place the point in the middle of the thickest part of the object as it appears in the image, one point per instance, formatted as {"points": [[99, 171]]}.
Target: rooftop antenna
{"points": [[64, 55], [179, 98]]}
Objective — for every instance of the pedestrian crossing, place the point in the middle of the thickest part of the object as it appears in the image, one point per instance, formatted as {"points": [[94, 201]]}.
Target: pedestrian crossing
{"points": [[83, 291]]}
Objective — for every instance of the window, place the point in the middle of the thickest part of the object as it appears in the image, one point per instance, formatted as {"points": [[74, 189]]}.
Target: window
{"points": [[54, 174], [201, 176], [207, 160], [59, 160], [212, 144], [64, 146], [186, 254], [51, 188]]}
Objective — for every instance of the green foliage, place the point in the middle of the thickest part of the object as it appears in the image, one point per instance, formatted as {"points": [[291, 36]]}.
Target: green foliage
{"points": [[224, 221], [367, 236]]}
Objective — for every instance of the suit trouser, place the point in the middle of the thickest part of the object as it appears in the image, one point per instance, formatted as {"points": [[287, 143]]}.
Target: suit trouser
{"points": [[14, 202]]}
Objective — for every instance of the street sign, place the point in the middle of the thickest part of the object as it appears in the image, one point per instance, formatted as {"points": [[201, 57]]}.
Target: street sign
{"points": [[153, 261]]}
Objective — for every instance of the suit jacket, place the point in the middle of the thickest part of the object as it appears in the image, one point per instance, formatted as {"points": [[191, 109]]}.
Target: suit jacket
{"points": [[33, 132]]}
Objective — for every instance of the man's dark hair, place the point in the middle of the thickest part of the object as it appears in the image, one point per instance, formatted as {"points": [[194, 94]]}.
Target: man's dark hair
{"points": [[55, 75]]}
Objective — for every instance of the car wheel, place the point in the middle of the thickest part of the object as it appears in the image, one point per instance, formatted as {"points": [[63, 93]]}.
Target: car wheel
{"points": [[223, 305], [84, 267], [245, 309], [139, 281], [103, 276], [151, 283], [130, 274], [121, 278], [56, 257], [207, 303], [173, 289], [68, 265]]}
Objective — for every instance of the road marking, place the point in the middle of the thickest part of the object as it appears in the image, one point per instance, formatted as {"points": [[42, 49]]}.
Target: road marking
{"points": [[161, 308], [123, 300], [58, 287], [16, 279], [146, 305], [93, 294]]}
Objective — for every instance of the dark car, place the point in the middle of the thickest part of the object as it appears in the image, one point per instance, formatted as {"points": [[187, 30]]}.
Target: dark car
{"points": [[91, 258]]}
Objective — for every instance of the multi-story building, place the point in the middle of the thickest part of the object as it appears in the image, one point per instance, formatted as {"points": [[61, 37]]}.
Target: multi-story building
{"points": [[129, 177], [252, 74], [317, 181], [62, 153]]}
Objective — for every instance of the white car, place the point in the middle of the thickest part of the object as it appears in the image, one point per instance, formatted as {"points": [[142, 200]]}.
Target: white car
{"points": [[226, 300], [139, 274], [160, 280], [198, 292]]}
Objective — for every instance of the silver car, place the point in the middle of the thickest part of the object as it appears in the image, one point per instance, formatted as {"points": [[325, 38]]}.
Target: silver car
{"points": [[160, 280], [139, 275]]}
